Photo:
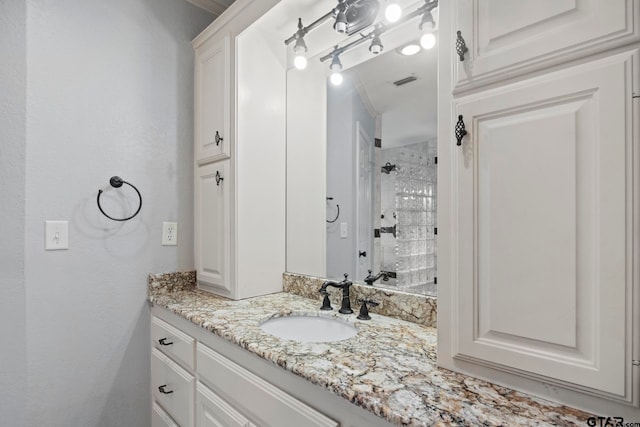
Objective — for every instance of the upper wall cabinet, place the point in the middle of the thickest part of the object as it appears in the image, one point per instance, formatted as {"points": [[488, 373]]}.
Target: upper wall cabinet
{"points": [[505, 38], [544, 205], [240, 153], [213, 139]]}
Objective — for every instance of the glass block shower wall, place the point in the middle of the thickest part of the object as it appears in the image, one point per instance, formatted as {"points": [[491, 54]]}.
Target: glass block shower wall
{"points": [[409, 203]]}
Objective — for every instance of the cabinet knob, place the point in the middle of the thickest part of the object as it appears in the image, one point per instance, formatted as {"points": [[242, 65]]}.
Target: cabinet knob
{"points": [[460, 129], [219, 139], [362, 254], [163, 390], [218, 178], [163, 341], [461, 46]]}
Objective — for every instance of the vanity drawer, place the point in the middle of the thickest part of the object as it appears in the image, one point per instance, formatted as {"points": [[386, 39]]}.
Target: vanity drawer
{"points": [[212, 410], [267, 405], [172, 342], [173, 388], [159, 418]]}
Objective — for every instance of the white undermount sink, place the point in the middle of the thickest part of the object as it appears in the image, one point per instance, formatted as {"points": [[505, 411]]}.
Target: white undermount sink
{"points": [[309, 328]]}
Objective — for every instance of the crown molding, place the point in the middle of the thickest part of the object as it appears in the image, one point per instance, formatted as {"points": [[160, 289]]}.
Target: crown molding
{"points": [[215, 7]]}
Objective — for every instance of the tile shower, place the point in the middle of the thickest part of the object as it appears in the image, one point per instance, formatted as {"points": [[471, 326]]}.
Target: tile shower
{"points": [[408, 216]]}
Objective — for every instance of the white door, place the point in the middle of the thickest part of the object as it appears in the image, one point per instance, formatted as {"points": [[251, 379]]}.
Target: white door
{"points": [[544, 211], [212, 228], [364, 202], [506, 37], [212, 104]]}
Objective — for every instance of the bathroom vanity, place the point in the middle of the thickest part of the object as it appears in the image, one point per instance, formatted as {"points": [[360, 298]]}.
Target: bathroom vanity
{"points": [[212, 363], [538, 209]]}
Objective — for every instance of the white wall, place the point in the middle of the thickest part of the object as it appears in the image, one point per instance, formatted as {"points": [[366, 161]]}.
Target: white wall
{"points": [[13, 366], [109, 91]]}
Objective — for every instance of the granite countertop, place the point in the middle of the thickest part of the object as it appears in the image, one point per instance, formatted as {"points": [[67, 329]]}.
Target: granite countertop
{"points": [[388, 368]]}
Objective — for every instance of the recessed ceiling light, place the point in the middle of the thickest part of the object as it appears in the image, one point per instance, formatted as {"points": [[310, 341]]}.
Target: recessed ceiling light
{"points": [[410, 49]]}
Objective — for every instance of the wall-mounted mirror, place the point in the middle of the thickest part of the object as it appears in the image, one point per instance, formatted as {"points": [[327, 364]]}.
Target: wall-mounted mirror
{"points": [[361, 165]]}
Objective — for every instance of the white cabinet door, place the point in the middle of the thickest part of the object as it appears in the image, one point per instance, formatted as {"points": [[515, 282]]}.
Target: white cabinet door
{"points": [[506, 37], [212, 411], [544, 209], [212, 100], [212, 216]]}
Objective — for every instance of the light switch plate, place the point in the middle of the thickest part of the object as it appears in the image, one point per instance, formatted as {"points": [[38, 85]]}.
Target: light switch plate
{"points": [[56, 235], [169, 233], [344, 233]]}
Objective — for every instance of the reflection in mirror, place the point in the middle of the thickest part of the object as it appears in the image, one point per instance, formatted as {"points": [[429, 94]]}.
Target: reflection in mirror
{"points": [[381, 172]]}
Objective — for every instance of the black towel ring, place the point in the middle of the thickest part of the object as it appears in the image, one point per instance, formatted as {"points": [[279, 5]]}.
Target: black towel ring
{"points": [[337, 215], [116, 182]]}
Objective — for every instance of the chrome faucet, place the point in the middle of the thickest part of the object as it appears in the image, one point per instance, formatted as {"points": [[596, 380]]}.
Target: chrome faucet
{"points": [[369, 280], [345, 285]]}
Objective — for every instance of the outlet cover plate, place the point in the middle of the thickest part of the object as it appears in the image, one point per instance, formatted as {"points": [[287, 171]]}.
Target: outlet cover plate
{"points": [[169, 233]]}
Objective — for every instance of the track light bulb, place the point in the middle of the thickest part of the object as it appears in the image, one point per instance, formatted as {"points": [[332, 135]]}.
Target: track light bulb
{"points": [[428, 40], [376, 45], [300, 50], [341, 22], [336, 68], [300, 62], [392, 12]]}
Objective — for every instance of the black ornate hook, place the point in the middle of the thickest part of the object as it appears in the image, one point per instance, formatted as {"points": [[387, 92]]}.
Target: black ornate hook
{"points": [[116, 182]]}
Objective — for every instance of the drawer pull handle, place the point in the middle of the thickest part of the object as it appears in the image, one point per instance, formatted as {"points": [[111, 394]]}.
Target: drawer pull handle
{"points": [[163, 391], [163, 341], [461, 46], [218, 178], [218, 138], [460, 129]]}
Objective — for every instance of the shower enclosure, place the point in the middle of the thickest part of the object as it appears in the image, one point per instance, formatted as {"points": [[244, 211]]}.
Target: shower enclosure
{"points": [[408, 217]]}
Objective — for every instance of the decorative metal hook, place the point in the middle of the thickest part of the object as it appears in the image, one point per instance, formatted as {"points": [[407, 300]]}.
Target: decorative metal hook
{"points": [[116, 182]]}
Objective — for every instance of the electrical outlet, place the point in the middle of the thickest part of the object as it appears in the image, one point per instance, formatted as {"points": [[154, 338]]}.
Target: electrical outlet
{"points": [[344, 233], [169, 233]]}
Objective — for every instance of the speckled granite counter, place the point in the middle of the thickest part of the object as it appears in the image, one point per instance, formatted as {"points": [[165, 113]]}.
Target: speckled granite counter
{"points": [[389, 368]]}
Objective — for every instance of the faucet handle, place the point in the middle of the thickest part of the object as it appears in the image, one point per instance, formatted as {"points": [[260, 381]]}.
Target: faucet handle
{"points": [[364, 310], [326, 304]]}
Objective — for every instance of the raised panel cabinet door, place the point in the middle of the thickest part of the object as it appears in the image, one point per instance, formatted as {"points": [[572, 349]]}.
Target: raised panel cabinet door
{"points": [[212, 100], [213, 411], [506, 38], [212, 228], [543, 200]]}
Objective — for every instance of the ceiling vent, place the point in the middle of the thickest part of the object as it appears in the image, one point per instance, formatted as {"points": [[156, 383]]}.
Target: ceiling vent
{"points": [[405, 80]]}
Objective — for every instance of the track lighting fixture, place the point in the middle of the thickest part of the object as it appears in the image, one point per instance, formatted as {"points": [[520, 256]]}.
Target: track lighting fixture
{"points": [[300, 48], [353, 16], [376, 45], [336, 68], [393, 11], [428, 26], [341, 17]]}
